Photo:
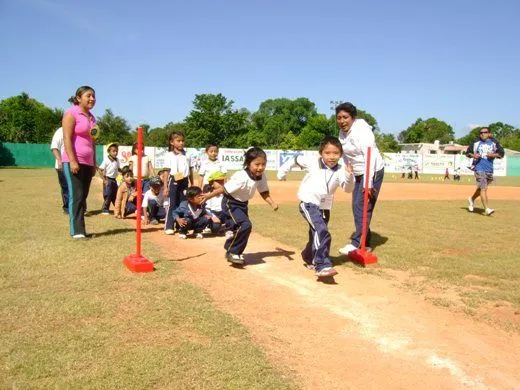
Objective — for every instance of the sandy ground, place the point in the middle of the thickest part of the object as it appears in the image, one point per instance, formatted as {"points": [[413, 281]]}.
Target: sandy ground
{"points": [[358, 331]]}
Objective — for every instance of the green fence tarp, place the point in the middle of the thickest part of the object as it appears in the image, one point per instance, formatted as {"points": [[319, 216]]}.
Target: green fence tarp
{"points": [[32, 155], [513, 166]]}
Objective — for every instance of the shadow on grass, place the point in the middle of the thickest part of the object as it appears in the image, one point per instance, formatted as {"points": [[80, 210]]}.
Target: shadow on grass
{"points": [[113, 232], [91, 213], [476, 210], [183, 258], [258, 258]]}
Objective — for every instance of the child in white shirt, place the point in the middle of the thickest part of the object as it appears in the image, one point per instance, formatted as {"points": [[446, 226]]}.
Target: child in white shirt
{"points": [[210, 164], [109, 170], [237, 192], [316, 193]]}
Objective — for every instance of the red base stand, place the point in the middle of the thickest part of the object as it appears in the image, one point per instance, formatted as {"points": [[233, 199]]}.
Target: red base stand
{"points": [[137, 263], [362, 257]]}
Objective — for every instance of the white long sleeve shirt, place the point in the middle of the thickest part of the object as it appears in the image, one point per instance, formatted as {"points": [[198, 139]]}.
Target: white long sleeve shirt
{"points": [[355, 145], [320, 181]]}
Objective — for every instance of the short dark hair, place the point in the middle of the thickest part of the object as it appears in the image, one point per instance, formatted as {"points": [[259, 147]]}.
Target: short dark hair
{"points": [[347, 107], [211, 146], [192, 192], [253, 153], [330, 140], [126, 170]]}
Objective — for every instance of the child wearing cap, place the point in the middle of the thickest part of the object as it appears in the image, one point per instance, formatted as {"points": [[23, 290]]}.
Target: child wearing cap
{"points": [[108, 170], [153, 201], [214, 205]]}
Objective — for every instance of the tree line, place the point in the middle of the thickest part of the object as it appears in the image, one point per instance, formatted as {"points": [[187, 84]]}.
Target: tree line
{"points": [[279, 123]]}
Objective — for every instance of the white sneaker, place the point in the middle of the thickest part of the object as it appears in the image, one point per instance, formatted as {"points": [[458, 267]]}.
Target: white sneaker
{"points": [[76, 236], [169, 232], [206, 230], [183, 236], [105, 213], [228, 234], [199, 235], [347, 249], [471, 204], [489, 211]]}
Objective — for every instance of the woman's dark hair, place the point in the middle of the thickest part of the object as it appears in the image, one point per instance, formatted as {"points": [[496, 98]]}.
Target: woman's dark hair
{"points": [[126, 170], [253, 153], [347, 107], [330, 140], [211, 146], [173, 135], [80, 91], [192, 192]]}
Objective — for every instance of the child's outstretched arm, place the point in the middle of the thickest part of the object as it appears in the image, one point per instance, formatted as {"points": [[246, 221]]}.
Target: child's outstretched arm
{"points": [[267, 197], [288, 165], [212, 194]]}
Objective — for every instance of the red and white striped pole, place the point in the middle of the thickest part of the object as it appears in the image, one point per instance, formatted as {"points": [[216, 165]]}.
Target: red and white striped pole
{"points": [[136, 262]]}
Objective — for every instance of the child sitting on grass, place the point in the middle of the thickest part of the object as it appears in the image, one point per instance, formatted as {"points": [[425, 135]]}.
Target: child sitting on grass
{"points": [[191, 214], [126, 195], [153, 202]]}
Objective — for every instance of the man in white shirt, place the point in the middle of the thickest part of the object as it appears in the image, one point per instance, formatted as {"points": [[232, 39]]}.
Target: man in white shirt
{"points": [[56, 148]]}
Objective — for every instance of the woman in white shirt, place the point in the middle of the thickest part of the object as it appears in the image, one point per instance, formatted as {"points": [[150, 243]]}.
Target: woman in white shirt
{"points": [[356, 136]]}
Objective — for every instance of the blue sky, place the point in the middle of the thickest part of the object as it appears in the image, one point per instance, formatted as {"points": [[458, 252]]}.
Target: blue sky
{"points": [[457, 60]]}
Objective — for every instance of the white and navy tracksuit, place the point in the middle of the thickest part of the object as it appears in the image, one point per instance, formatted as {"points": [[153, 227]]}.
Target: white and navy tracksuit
{"points": [[179, 164], [355, 144], [237, 191], [110, 169], [316, 196]]}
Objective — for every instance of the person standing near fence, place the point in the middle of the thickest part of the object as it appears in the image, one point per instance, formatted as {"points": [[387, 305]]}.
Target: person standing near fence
{"points": [[356, 137], [56, 148], [79, 156], [483, 152]]}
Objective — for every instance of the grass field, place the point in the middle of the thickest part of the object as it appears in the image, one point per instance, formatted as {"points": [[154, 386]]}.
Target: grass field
{"points": [[453, 257], [72, 316]]}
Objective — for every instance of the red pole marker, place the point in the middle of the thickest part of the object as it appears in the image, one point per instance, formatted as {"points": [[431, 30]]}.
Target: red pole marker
{"points": [[136, 262], [361, 256]]}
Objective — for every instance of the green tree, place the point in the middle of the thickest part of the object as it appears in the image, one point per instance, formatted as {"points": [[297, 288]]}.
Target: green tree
{"points": [[213, 120], [316, 129], [159, 136], [277, 117], [24, 119], [428, 130], [507, 135], [114, 128], [387, 143]]}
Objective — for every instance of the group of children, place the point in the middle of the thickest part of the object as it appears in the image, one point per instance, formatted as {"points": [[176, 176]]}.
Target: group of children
{"points": [[220, 206]]}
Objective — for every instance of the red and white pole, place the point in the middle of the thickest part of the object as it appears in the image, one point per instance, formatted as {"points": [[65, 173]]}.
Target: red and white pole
{"points": [[136, 262]]}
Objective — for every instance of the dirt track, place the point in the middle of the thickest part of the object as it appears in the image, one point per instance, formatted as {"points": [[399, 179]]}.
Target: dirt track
{"points": [[363, 331]]}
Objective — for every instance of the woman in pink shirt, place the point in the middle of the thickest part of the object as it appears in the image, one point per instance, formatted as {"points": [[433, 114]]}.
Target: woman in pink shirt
{"points": [[79, 157]]}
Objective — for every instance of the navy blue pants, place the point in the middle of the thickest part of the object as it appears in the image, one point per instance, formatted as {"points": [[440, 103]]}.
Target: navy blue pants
{"points": [[155, 210], [357, 206], [317, 250], [64, 190], [216, 227], [238, 221], [176, 196], [79, 186], [131, 207], [109, 194], [197, 225]]}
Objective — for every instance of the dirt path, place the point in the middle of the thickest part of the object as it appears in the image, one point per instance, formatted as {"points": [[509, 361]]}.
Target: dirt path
{"points": [[363, 331]]}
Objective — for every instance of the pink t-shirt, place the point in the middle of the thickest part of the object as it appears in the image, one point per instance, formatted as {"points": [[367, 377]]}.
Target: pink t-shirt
{"points": [[81, 140]]}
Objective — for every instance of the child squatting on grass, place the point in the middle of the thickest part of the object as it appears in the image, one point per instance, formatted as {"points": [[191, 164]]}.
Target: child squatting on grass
{"points": [[192, 214], [316, 193], [153, 201], [126, 195], [237, 191]]}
